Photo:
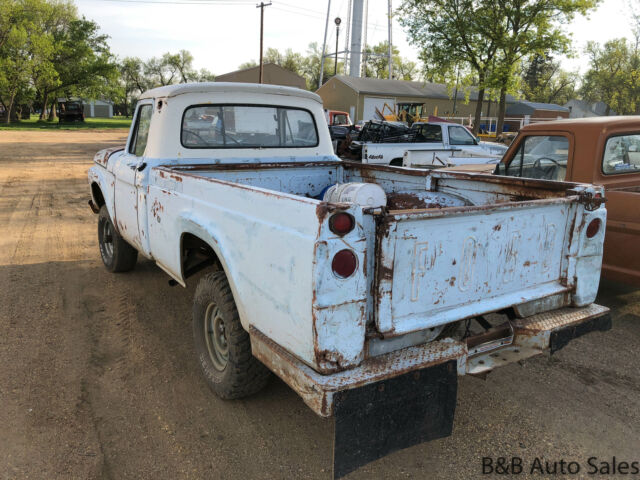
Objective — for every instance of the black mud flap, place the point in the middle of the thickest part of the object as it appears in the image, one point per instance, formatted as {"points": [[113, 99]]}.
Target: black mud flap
{"points": [[380, 418], [560, 338]]}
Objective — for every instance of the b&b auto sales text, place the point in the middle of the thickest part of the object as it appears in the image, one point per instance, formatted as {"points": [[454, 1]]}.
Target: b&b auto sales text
{"points": [[591, 466]]}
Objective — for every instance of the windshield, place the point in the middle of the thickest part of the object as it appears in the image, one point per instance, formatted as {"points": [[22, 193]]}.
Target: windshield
{"points": [[247, 126], [541, 156]]}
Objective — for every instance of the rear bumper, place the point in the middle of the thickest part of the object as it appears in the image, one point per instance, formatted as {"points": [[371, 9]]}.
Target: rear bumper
{"points": [[549, 331]]}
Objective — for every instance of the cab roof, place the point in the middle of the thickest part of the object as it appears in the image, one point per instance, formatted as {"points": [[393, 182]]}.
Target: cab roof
{"points": [[586, 123], [230, 87]]}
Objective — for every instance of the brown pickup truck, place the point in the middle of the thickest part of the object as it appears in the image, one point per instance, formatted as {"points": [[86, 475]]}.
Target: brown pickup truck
{"points": [[603, 151]]}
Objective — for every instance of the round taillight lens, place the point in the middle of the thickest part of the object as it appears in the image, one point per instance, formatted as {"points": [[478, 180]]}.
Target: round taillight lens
{"points": [[593, 228], [344, 263], [341, 223]]}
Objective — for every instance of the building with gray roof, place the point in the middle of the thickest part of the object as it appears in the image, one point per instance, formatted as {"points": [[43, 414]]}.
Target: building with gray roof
{"points": [[361, 96]]}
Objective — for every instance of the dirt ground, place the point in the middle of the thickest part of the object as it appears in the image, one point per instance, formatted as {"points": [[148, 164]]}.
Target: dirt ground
{"points": [[98, 378]]}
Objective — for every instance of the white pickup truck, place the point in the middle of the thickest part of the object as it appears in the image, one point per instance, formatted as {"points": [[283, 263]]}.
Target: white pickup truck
{"points": [[368, 312], [434, 144]]}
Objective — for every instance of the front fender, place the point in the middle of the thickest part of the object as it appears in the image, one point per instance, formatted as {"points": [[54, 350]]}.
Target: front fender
{"points": [[106, 183]]}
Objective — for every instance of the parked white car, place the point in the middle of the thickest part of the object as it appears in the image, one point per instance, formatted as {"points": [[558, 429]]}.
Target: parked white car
{"points": [[364, 310]]}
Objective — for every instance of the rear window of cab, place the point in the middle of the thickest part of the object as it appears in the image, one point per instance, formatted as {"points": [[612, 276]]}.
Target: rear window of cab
{"points": [[247, 126], [622, 154]]}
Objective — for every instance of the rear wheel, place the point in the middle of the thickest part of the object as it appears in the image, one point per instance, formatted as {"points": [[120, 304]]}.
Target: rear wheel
{"points": [[222, 345], [396, 162], [117, 255]]}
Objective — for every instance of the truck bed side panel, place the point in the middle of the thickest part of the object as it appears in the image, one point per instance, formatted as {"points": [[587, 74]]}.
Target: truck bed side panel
{"points": [[264, 240]]}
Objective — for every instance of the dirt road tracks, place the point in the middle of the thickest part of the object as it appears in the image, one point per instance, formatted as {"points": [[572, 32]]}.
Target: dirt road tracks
{"points": [[98, 379]]}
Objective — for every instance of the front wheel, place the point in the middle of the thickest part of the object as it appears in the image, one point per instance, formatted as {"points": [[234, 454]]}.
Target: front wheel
{"points": [[223, 347], [117, 255]]}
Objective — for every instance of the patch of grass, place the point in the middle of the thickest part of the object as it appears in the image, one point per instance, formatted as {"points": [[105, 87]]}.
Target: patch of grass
{"points": [[88, 124]]}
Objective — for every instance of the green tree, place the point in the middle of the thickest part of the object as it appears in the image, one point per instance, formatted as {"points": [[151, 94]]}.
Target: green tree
{"points": [[54, 22], [376, 61], [83, 61], [529, 27], [172, 68], [455, 36], [23, 47], [544, 81], [246, 65], [613, 76], [132, 82]]}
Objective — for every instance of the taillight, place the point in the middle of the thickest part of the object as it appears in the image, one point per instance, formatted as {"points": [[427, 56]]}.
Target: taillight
{"points": [[341, 223], [344, 263], [593, 228]]}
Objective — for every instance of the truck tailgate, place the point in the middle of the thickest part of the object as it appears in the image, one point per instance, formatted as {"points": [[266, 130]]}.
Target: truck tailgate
{"points": [[440, 265]]}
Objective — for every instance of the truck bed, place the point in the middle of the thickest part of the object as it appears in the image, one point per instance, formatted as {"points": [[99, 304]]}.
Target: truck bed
{"points": [[449, 246]]}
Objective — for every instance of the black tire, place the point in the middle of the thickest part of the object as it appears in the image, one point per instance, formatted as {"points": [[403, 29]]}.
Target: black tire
{"points": [[117, 255], [226, 360], [396, 162]]}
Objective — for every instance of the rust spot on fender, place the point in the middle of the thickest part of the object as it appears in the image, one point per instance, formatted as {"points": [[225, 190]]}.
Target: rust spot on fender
{"points": [[102, 157], [156, 207]]}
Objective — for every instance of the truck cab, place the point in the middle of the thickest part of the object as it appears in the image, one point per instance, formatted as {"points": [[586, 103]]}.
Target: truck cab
{"points": [[600, 150]]}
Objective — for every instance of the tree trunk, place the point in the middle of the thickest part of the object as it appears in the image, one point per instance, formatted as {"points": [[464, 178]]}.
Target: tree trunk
{"points": [[45, 101], [476, 120], [53, 116], [9, 109], [501, 109]]}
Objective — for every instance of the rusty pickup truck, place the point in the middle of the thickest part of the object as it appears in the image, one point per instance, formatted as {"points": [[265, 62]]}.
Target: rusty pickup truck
{"points": [[601, 150], [367, 289]]}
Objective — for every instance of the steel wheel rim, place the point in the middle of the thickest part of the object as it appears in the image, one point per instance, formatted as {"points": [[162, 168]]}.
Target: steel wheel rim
{"points": [[216, 337], [107, 240]]}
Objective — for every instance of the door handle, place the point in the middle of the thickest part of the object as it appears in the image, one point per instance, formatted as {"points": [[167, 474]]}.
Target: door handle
{"points": [[142, 166]]}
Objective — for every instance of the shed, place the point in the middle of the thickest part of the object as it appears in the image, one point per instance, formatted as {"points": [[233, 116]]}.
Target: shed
{"points": [[272, 74], [98, 109], [361, 96], [583, 109], [523, 112]]}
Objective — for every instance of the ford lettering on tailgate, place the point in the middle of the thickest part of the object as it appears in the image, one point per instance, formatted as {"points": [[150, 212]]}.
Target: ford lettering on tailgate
{"points": [[469, 263]]}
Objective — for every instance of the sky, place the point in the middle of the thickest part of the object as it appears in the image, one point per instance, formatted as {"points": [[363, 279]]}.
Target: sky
{"points": [[222, 34]]}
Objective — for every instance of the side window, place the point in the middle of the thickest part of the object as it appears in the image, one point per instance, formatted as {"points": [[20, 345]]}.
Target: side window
{"points": [[141, 130], [460, 136], [431, 133], [543, 156], [621, 154]]}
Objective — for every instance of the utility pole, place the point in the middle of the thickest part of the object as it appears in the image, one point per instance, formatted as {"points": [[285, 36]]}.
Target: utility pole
{"points": [[346, 38], [324, 44], [356, 38], [335, 66], [364, 46], [261, 7], [390, 44], [455, 95]]}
